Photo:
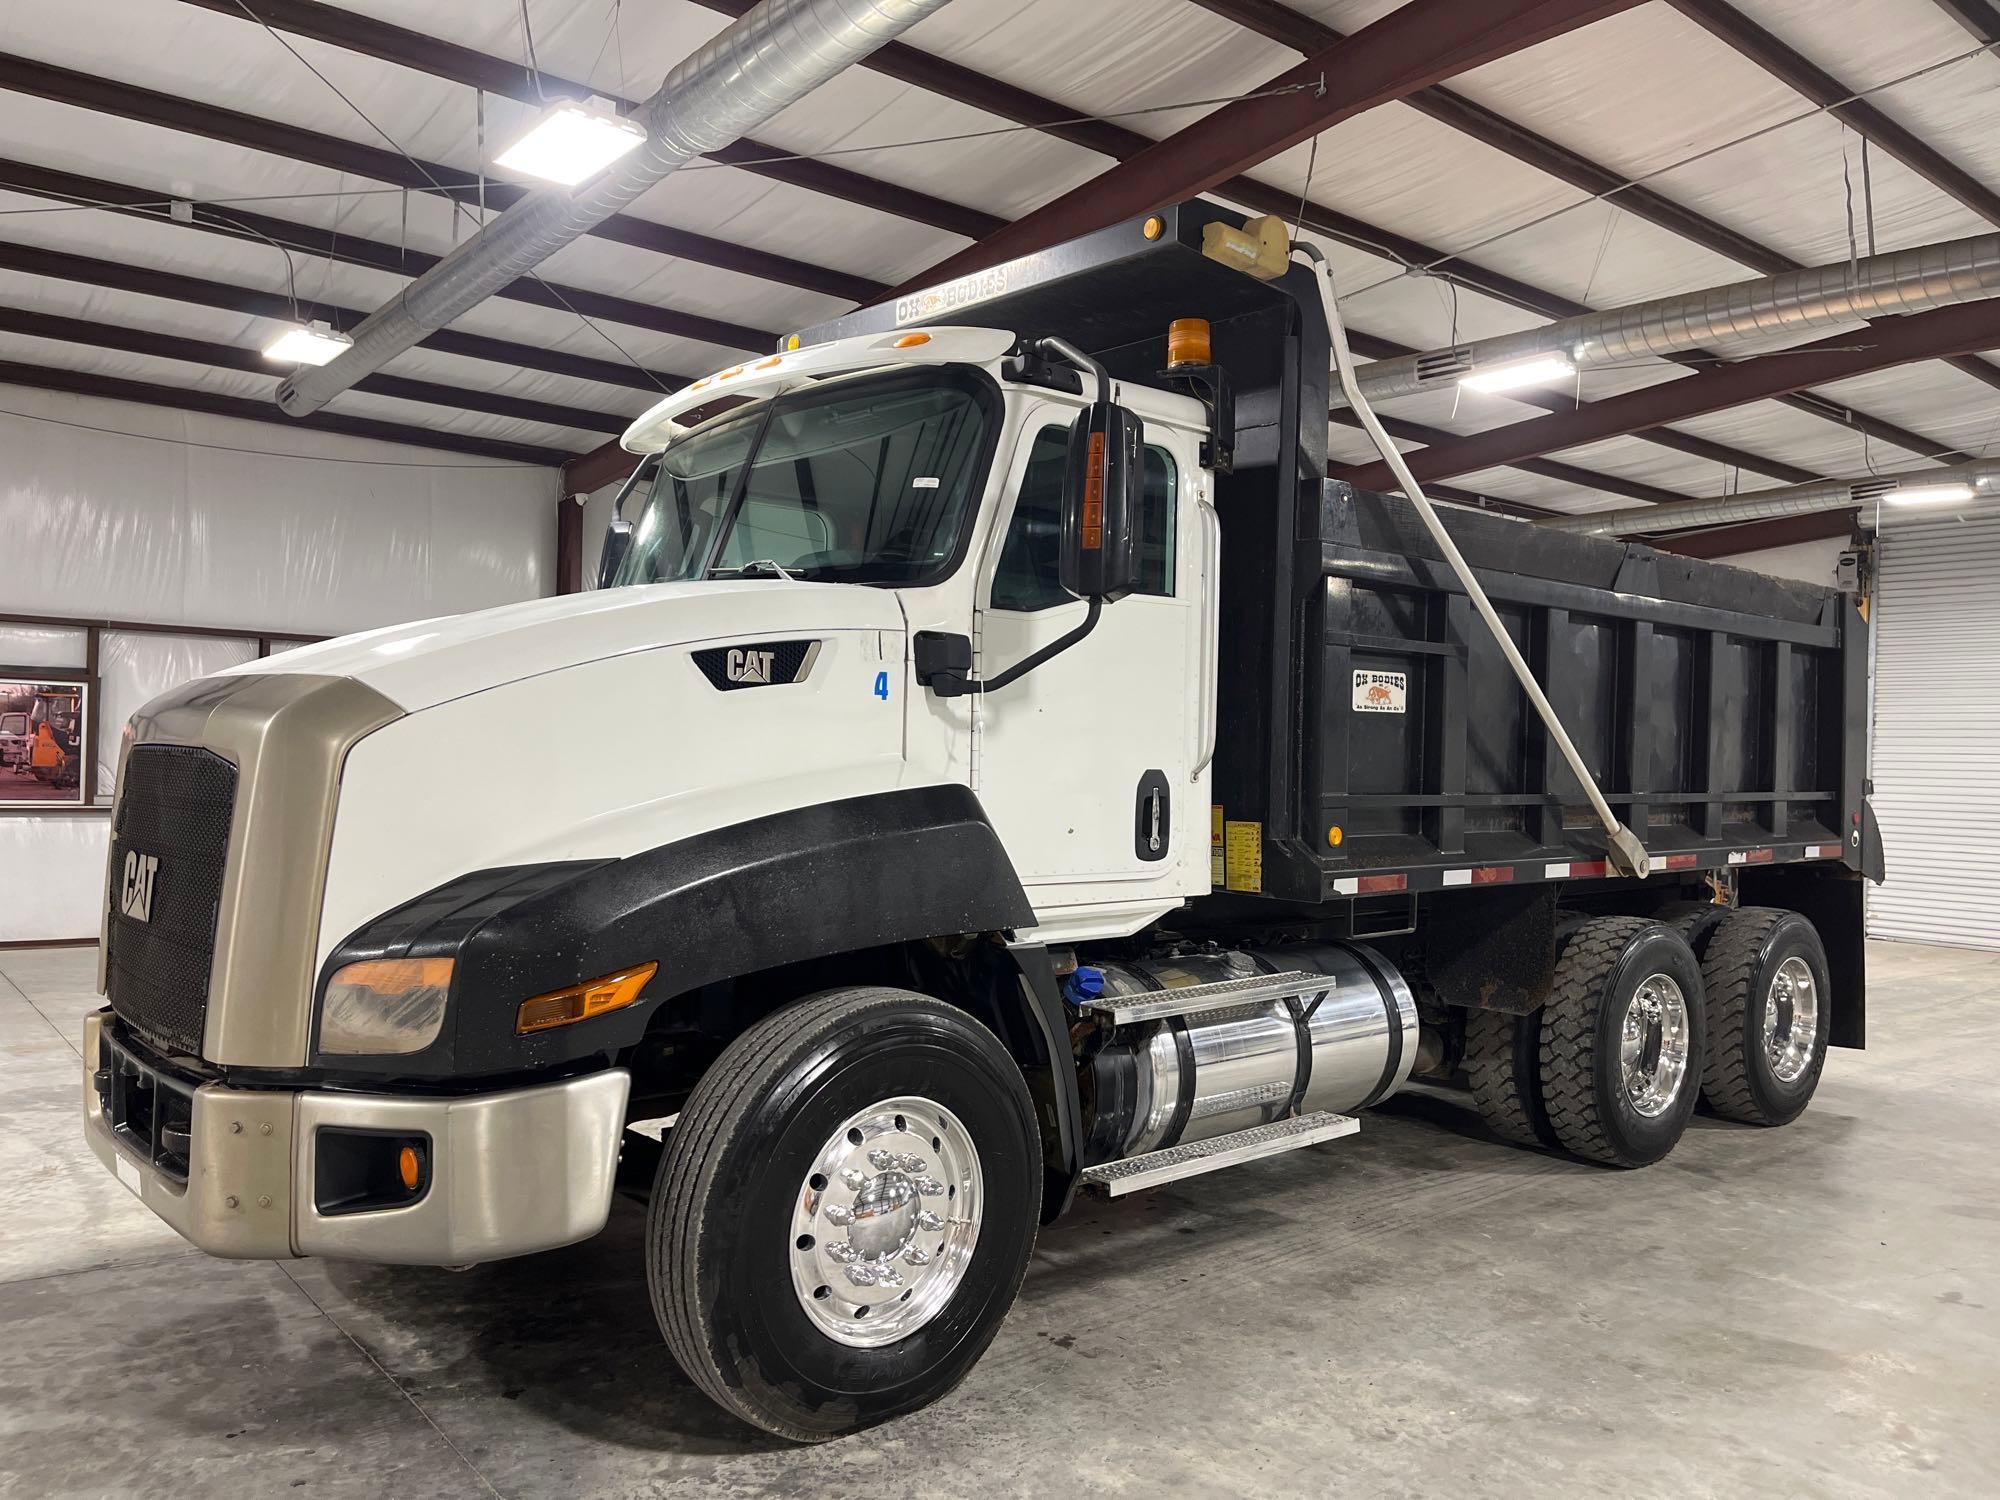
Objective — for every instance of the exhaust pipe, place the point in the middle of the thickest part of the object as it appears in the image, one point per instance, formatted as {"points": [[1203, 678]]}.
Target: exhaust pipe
{"points": [[1983, 480], [1902, 281], [772, 57]]}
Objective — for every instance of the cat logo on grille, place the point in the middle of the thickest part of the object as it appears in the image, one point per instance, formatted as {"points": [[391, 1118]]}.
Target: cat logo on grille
{"points": [[135, 889], [748, 666]]}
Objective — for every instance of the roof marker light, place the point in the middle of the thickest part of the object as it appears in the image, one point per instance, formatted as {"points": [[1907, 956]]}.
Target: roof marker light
{"points": [[573, 141], [911, 341], [1539, 369], [313, 344]]}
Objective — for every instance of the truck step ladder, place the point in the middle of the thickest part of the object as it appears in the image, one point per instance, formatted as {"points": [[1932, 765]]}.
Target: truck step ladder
{"points": [[1118, 1178], [1195, 999]]}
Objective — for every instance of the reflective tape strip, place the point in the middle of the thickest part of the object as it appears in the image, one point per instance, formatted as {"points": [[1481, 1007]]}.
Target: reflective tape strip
{"points": [[1555, 872], [1371, 883], [1683, 861], [1457, 877], [1346, 887], [1493, 875]]}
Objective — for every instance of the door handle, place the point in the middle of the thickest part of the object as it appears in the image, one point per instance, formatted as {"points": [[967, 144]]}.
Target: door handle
{"points": [[1153, 824]]}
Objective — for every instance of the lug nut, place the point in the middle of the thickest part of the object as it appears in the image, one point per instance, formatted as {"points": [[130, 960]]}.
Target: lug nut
{"points": [[929, 1220], [881, 1160]]}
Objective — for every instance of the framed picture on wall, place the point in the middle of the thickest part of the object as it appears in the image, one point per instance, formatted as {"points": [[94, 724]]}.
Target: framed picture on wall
{"points": [[44, 739]]}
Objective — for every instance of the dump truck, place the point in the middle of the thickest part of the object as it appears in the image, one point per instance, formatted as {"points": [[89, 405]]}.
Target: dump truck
{"points": [[1007, 766]]}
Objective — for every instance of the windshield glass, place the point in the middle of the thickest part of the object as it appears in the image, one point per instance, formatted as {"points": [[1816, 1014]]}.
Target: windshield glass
{"points": [[867, 482], [13, 723]]}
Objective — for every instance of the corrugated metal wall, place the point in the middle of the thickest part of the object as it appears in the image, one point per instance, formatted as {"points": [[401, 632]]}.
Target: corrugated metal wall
{"points": [[1937, 732]]}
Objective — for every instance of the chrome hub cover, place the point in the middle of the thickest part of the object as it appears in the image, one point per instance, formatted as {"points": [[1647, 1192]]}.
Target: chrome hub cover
{"points": [[886, 1221], [1653, 1045], [1791, 1019]]}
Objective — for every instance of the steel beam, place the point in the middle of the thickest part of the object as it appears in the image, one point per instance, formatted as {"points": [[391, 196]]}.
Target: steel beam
{"points": [[1590, 479], [1980, 17], [1895, 341], [229, 357], [33, 260], [1414, 46], [145, 393], [243, 224], [1794, 70], [354, 32], [257, 133], [1753, 536]]}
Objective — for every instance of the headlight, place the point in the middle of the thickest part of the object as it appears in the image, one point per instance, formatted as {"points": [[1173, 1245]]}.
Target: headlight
{"points": [[385, 1005]]}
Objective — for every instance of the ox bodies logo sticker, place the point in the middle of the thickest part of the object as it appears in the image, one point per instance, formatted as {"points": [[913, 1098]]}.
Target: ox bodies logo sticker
{"points": [[1381, 692]]}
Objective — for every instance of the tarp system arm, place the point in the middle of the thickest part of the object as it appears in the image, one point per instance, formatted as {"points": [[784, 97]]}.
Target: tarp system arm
{"points": [[1623, 846]]}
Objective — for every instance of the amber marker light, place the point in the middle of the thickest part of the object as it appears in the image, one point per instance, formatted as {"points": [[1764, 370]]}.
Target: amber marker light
{"points": [[580, 1002], [410, 1168], [911, 341], [1334, 836]]}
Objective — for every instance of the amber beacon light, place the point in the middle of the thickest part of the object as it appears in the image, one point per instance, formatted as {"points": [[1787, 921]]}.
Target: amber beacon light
{"points": [[1187, 343]]}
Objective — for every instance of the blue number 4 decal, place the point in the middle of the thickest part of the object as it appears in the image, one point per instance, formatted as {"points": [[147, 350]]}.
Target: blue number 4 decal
{"points": [[882, 686]]}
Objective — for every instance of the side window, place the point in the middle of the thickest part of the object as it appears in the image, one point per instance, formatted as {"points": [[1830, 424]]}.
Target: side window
{"points": [[1026, 578]]}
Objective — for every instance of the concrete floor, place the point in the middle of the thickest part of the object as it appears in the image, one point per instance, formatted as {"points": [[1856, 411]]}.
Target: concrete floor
{"points": [[1415, 1311]]}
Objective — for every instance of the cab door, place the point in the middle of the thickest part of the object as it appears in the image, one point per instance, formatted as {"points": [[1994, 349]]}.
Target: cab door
{"points": [[1087, 765]]}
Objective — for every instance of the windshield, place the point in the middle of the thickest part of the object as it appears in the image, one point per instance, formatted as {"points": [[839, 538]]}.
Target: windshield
{"points": [[13, 723], [865, 482]]}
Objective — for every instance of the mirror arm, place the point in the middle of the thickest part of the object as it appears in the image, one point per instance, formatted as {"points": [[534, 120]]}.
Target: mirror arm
{"points": [[631, 484], [953, 686]]}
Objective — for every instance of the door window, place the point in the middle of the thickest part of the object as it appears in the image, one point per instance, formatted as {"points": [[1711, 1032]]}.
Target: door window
{"points": [[1027, 575]]}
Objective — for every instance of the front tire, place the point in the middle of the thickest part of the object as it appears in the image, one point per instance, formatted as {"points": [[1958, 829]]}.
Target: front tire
{"points": [[844, 1212], [1621, 1041], [1768, 992]]}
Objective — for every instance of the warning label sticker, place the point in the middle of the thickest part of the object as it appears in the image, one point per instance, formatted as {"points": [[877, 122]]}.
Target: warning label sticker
{"points": [[1381, 692], [1218, 867], [1243, 854]]}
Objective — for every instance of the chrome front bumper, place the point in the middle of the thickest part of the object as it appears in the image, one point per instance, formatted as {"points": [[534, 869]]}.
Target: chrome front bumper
{"points": [[510, 1173]]}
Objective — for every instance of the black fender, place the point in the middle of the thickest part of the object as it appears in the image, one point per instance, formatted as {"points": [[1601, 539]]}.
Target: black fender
{"points": [[837, 877]]}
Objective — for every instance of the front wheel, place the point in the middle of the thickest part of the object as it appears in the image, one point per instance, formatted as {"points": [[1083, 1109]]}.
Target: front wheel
{"points": [[844, 1212]]}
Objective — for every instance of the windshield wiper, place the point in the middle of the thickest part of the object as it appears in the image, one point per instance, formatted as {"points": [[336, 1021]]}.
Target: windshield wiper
{"points": [[757, 567]]}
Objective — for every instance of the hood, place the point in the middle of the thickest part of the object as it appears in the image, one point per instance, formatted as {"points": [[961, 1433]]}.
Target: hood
{"points": [[428, 662]]}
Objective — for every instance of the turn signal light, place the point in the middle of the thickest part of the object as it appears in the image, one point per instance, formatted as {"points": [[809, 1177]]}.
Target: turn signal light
{"points": [[581, 1002], [911, 341], [410, 1168], [1187, 342]]}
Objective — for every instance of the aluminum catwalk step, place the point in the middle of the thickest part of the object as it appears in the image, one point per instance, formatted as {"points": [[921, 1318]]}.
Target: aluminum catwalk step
{"points": [[1225, 994], [1118, 1178]]}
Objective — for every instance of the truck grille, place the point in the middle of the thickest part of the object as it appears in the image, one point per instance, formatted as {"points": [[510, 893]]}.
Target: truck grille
{"points": [[174, 807]]}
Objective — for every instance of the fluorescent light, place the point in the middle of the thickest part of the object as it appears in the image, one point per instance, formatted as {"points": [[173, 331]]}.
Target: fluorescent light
{"points": [[1929, 494], [1537, 369], [572, 142], [312, 345]]}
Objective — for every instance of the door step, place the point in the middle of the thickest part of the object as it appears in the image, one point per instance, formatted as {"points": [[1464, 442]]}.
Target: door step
{"points": [[1225, 994], [1118, 1178]]}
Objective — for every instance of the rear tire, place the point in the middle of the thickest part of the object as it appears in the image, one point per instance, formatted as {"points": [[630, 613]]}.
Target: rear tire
{"points": [[1768, 1015], [1621, 1041], [1503, 1061], [760, 1195]]}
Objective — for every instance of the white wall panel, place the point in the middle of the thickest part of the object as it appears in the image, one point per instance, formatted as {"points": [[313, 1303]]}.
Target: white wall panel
{"points": [[51, 870], [135, 513]]}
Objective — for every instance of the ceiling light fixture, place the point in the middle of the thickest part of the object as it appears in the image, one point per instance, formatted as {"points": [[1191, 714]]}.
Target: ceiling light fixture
{"points": [[573, 140], [1537, 369], [1929, 494], [313, 344]]}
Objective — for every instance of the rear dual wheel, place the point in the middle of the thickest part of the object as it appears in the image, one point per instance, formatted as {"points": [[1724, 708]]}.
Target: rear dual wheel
{"points": [[1768, 992], [1610, 1067]]}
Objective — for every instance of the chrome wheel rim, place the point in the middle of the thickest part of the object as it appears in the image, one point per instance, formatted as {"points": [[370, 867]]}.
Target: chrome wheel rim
{"points": [[1791, 1019], [886, 1221], [1653, 1045]]}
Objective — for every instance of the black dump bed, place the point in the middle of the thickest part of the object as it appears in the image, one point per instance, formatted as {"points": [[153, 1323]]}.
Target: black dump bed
{"points": [[1720, 710]]}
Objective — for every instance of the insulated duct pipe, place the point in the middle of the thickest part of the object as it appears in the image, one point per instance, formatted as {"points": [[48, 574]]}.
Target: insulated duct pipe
{"points": [[1766, 505], [1902, 281], [770, 58]]}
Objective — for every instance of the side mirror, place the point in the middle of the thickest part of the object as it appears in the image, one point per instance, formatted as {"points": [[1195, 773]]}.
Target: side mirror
{"points": [[618, 535], [1103, 483], [617, 542]]}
